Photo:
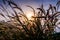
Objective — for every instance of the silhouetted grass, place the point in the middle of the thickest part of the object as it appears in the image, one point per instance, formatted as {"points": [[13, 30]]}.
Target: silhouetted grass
{"points": [[31, 29]]}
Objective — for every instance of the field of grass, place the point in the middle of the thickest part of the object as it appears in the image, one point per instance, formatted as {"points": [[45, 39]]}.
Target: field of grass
{"points": [[40, 28]]}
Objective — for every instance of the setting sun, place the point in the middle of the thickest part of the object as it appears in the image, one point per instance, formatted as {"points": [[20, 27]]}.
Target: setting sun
{"points": [[29, 15]]}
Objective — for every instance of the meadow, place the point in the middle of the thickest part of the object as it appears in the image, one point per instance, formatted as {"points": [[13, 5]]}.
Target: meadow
{"points": [[39, 26]]}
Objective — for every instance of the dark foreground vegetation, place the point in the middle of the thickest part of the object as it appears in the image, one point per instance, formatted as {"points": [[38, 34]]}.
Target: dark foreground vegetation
{"points": [[10, 32], [26, 29]]}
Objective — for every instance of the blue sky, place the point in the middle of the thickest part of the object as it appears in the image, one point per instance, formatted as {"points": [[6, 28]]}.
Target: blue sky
{"points": [[34, 3], [37, 1]]}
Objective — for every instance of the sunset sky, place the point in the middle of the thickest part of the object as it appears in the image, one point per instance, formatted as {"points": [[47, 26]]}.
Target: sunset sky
{"points": [[34, 3]]}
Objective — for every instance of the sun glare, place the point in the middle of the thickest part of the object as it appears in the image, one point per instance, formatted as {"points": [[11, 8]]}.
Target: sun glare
{"points": [[29, 15]]}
